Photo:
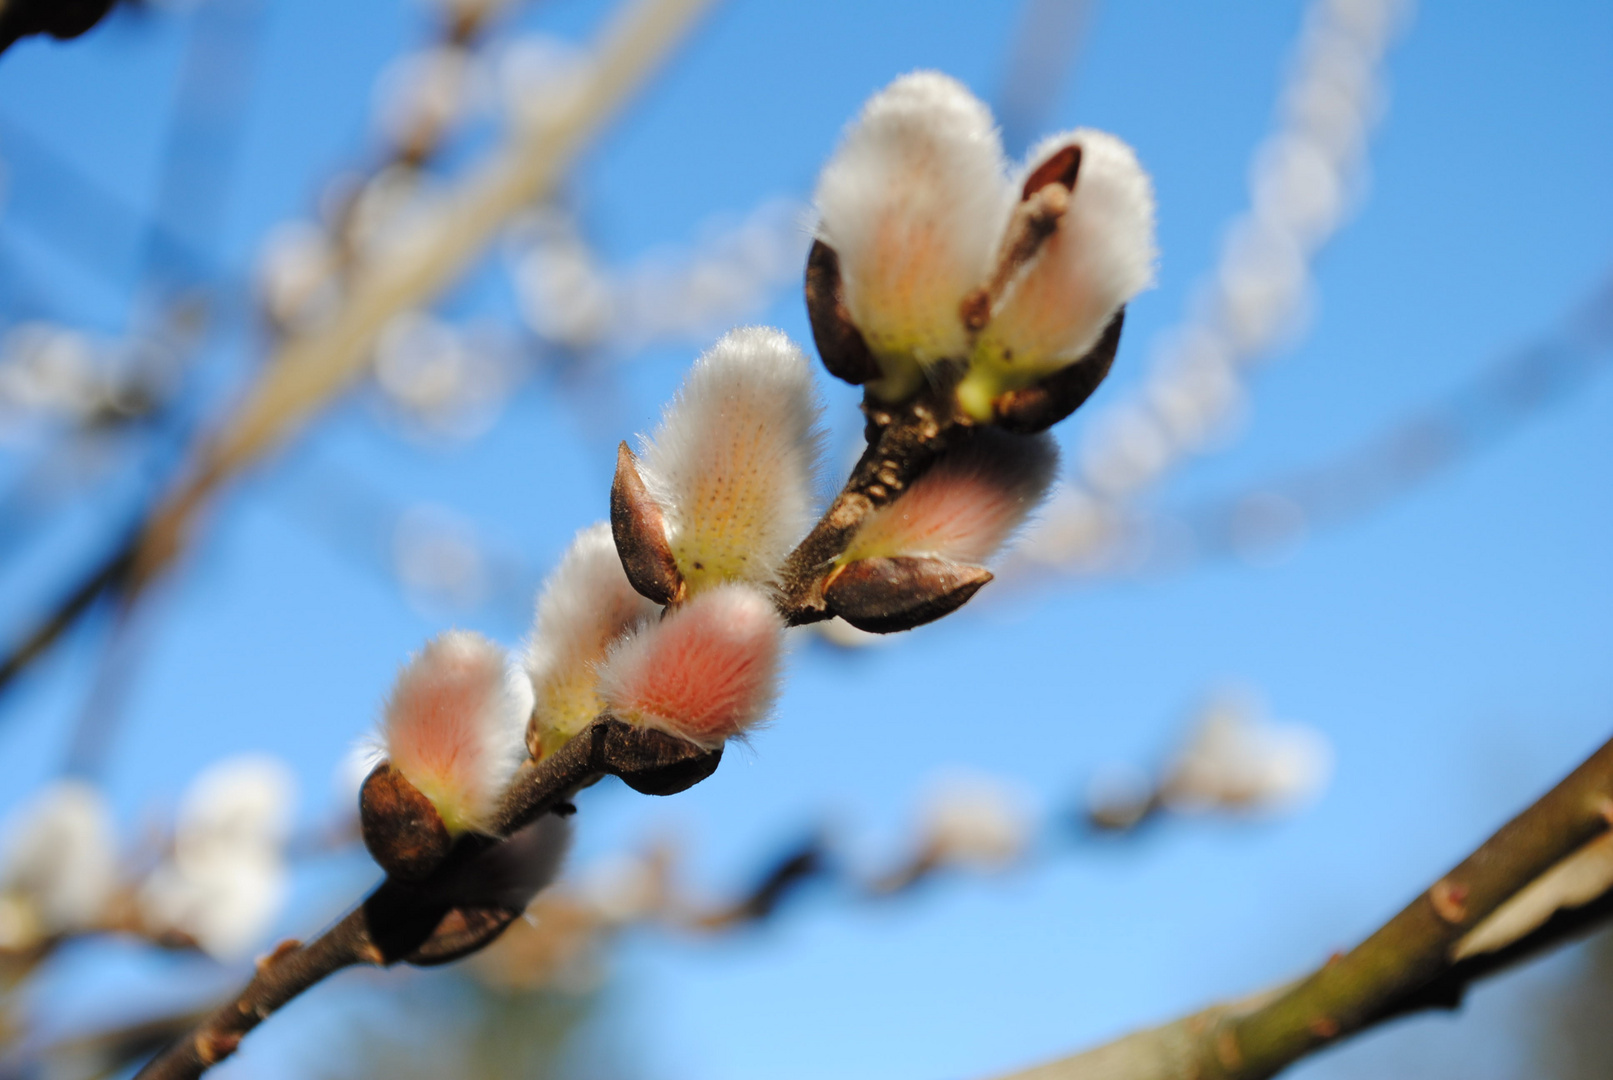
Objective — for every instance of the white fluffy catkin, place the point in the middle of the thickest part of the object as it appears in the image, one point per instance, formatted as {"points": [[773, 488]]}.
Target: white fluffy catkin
{"points": [[585, 605], [732, 463], [914, 202], [454, 726], [1101, 255]]}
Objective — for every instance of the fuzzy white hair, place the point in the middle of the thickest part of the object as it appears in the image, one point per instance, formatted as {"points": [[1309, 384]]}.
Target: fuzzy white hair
{"points": [[914, 201], [61, 855], [586, 603], [454, 725], [1102, 254], [733, 461]]}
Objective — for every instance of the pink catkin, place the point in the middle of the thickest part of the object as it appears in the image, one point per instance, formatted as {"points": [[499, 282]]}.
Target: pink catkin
{"points": [[967, 505], [705, 673], [453, 726]]}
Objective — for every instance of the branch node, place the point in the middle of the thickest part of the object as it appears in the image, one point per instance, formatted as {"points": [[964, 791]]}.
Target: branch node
{"points": [[1324, 1027], [1227, 1051], [277, 954], [1450, 901]]}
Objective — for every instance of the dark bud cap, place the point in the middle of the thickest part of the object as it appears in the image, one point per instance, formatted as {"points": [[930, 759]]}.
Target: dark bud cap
{"points": [[464, 929], [416, 923], [839, 342], [1037, 408], [639, 528], [885, 595], [401, 828], [653, 762], [1060, 168]]}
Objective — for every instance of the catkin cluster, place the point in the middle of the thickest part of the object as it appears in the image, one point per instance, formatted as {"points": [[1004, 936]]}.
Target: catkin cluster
{"points": [[977, 303]]}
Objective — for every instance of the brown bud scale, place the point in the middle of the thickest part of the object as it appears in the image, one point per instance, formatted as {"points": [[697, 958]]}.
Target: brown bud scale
{"points": [[1061, 168], [639, 528], [402, 830], [840, 344], [890, 594], [1038, 407], [462, 931]]}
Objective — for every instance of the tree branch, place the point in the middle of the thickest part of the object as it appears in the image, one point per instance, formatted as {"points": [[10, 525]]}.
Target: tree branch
{"points": [[459, 908], [1403, 967]]}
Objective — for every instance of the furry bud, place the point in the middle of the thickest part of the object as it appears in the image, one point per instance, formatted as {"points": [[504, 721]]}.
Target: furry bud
{"points": [[585, 604], [731, 465], [453, 724], [60, 866], [913, 202], [1091, 250], [705, 673], [886, 595], [966, 506]]}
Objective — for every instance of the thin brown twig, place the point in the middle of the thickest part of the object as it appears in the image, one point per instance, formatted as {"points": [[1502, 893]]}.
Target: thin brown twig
{"points": [[433, 921], [441, 918]]}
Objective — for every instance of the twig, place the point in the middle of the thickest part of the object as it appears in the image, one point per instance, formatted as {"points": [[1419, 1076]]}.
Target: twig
{"points": [[1405, 966], [443, 917], [902, 443]]}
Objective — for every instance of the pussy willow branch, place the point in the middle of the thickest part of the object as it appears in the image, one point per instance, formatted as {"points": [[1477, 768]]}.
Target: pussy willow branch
{"points": [[1403, 967], [308, 371], [294, 967], [903, 443]]}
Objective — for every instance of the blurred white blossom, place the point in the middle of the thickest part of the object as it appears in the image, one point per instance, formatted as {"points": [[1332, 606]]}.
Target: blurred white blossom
{"points": [[297, 275], [975, 820], [55, 373], [570, 297], [421, 94], [60, 864], [623, 888], [226, 878], [538, 77], [1236, 759], [391, 216]]}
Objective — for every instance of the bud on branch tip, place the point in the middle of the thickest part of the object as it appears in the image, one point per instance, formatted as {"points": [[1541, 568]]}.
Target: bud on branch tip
{"points": [[453, 725], [928, 252]]}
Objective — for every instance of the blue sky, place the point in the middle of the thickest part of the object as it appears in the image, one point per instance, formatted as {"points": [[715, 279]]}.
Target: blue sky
{"points": [[1454, 646]]}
